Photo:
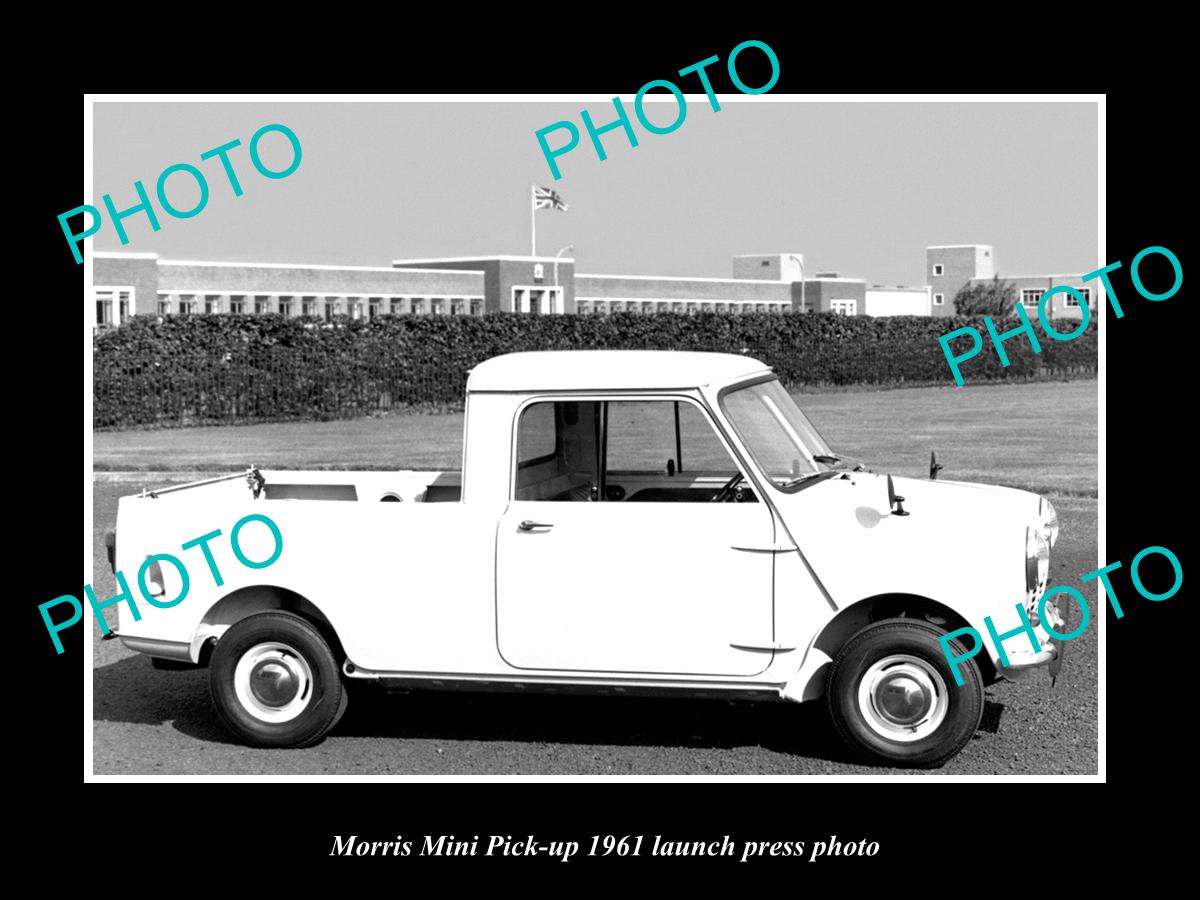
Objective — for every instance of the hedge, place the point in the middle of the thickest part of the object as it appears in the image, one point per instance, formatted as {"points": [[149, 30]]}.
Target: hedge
{"points": [[206, 369]]}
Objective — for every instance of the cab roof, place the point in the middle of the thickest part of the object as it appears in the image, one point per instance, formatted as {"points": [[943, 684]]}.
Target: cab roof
{"points": [[576, 370]]}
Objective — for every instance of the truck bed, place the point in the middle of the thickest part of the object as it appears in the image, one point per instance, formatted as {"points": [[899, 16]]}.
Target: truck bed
{"points": [[406, 486]]}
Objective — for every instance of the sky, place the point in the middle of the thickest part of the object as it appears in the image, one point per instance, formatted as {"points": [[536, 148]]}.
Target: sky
{"points": [[858, 188]]}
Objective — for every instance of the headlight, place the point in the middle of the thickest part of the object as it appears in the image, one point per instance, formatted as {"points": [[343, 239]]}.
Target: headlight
{"points": [[1049, 520], [1037, 557]]}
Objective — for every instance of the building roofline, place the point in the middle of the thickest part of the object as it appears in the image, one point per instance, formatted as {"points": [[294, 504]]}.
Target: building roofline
{"points": [[117, 254], [591, 299], [836, 278], [957, 246], [755, 255], [579, 275], [1006, 277], [318, 292], [259, 265], [899, 287], [435, 259]]}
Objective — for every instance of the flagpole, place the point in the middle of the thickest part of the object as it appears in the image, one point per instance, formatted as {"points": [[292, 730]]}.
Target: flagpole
{"points": [[532, 223]]}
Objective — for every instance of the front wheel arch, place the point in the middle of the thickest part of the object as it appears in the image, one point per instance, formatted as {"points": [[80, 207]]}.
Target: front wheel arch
{"points": [[852, 619]]}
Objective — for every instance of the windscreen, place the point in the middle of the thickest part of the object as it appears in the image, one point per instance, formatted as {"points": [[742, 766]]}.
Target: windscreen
{"points": [[778, 435]]}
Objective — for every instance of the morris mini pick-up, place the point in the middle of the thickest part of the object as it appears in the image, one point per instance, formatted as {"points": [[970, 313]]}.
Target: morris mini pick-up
{"points": [[624, 522]]}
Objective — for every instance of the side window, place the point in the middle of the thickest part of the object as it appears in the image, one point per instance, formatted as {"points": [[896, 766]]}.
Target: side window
{"points": [[652, 450], [535, 437], [557, 451], [663, 436]]}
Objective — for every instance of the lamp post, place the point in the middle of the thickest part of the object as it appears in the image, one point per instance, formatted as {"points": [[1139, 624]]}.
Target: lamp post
{"points": [[800, 263], [568, 248]]}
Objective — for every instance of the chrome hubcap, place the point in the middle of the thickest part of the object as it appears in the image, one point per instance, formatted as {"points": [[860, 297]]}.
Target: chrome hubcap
{"points": [[273, 682], [903, 698]]}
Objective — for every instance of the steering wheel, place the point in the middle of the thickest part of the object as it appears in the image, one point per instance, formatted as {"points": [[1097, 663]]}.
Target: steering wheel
{"points": [[726, 492]]}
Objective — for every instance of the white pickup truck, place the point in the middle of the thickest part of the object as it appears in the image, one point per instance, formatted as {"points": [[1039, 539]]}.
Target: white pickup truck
{"points": [[624, 521]]}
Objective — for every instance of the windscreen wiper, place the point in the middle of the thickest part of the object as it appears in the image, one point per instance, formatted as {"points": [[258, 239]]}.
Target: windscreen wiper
{"points": [[792, 482], [858, 465]]}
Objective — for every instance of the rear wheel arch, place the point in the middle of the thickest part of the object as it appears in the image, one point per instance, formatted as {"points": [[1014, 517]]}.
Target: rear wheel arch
{"points": [[249, 601]]}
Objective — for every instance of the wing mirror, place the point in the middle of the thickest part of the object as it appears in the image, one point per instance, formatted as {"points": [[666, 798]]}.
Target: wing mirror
{"points": [[895, 502]]}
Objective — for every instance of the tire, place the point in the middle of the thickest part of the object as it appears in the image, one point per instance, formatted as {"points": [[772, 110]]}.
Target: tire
{"points": [[275, 682], [893, 698]]}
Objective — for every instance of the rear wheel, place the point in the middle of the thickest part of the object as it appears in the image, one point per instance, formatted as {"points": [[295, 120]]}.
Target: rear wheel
{"points": [[275, 682], [893, 698]]}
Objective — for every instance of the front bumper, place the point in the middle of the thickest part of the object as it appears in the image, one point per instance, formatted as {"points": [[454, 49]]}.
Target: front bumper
{"points": [[1020, 663]]}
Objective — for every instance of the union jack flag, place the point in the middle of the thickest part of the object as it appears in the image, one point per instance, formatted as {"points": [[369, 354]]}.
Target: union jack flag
{"points": [[544, 198]]}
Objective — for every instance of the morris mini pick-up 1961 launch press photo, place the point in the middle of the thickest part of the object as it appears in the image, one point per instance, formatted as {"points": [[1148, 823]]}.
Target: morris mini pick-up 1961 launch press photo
{"points": [[630, 522]]}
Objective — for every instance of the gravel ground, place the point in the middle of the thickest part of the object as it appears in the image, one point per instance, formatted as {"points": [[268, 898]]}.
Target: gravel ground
{"points": [[148, 722]]}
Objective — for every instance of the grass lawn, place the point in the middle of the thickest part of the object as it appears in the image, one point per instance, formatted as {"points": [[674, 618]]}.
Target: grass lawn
{"points": [[1038, 436]]}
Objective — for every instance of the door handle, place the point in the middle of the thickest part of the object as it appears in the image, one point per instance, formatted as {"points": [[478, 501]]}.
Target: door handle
{"points": [[529, 526]]}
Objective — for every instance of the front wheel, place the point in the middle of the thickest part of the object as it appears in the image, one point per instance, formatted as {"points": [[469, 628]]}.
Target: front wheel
{"points": [[893, 698], [275, 682]]}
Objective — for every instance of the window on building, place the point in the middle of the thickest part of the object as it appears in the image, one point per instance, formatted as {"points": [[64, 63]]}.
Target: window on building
{"points": [[332, 308], [262, 305], [1030, 297], [677, 307], [164, 306], [237, 303], [639, 446], [187, 306], [938, 269], [396, 306], [477, 306], [436, 306], [286, 306], [375, 307], [939, 299], [356, 309], [417, 306], [104, 308], [760, 307], [308, 306], [212, 304], [457, 306], [706, 307], [114, 305], [844, 307], [1073, 301]]}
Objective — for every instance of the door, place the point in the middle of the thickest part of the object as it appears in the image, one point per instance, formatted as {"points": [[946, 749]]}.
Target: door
{"points": [[620, 552]]}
